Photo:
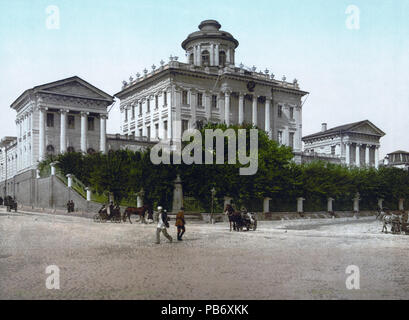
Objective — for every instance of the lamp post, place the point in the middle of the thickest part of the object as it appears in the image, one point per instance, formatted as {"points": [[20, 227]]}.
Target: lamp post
{"points": [[213, 191]]}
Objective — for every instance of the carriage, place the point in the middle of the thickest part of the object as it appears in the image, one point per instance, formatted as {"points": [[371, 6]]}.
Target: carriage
{"points": [[248, 221], [103, 216], [397, 220], [240, 219]]}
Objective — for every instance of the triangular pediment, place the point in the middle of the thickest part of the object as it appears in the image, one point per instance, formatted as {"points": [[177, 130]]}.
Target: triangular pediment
{"points": [[75, 87], [367, 127]]}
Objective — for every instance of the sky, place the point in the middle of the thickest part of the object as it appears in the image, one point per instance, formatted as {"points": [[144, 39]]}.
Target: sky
{"points": [[354, 70]]}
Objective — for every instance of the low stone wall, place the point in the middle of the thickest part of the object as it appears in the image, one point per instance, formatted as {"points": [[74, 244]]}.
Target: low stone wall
{"points": [[274, 216]]}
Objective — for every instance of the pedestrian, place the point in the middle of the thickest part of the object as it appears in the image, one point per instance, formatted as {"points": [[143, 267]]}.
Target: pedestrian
{"points": [[180, 223], [163, 224], [69, 206], [72, 206]]}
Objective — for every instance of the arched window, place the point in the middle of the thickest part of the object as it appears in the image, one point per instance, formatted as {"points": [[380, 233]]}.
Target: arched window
{"points": [[70, 149], [50, 149], [205, 58], [222, 58], [191, 58], [90, 151]]}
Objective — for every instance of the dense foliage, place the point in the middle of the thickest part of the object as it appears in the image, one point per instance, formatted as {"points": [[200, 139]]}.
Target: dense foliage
{"points": [[124, 173]]}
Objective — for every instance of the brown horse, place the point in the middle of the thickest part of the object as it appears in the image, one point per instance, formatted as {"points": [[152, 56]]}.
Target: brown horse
{"points": [[234, 217], [138, 211]]}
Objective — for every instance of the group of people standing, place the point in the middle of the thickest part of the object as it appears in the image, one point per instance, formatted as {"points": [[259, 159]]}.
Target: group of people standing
{"points": [[163, 224], [70, 206]]}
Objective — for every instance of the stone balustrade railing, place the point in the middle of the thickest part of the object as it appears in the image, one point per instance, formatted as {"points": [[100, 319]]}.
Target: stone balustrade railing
{"points": [[211, 70]]}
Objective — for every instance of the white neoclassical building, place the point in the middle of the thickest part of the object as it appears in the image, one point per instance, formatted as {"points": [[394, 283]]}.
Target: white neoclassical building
{"points": [[65, 115], [354, 143], [210, 87]]}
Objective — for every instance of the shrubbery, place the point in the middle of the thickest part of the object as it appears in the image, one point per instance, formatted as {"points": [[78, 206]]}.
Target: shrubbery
{"points": [[125, 172]]}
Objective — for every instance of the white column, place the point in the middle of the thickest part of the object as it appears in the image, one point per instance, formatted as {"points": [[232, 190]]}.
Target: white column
{"points": [[367, 155], [228, 58], [221, 105], [170, 104], [193, 105], [216, 55], [84, 122], [199, 57], [42, 134], [103, 133], [212, 54], [227, 107], [208, 105], [267, 117], [357, 155], [63, 131], [376, 157], [254, 113], [178, 114], [348, 154], [241, 108]]}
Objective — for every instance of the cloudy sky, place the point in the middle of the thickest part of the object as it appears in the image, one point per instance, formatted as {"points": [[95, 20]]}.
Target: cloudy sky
{"points": [[353, 70]]}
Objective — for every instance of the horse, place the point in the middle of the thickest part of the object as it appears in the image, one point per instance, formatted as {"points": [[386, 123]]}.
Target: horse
{"points": [[138, 211], [235, 219]]}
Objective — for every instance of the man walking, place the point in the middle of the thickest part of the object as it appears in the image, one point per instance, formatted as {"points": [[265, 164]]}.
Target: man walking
{"points": [[162, 225], [180, 223]]}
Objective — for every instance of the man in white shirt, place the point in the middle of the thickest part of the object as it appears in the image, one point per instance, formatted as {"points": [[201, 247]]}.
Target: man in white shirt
{"points": [[162, 225]]}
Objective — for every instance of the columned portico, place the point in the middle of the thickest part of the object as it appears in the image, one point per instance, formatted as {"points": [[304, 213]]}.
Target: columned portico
{"points": [[63, 131], [254, 110], [84, 120]]}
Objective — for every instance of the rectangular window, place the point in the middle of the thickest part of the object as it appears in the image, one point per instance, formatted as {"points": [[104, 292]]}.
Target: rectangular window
{"points": [[333, 150], [133, 111], [126, 114], [214, 101], [71, 122], [148, 105], [165, 129], [280, 137], [292, 113], [200, 99], [91, 124], [291, 139], [184, 97], [185, 125], [140, 108], [50, 120], [148, 130], [165, 98], [280, 111], [140, 132], [156, 102], [133, 134]]}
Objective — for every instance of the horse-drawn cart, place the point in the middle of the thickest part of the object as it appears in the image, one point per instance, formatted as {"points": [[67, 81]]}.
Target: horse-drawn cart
{"points": [[103, 216], [397, 220]]}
